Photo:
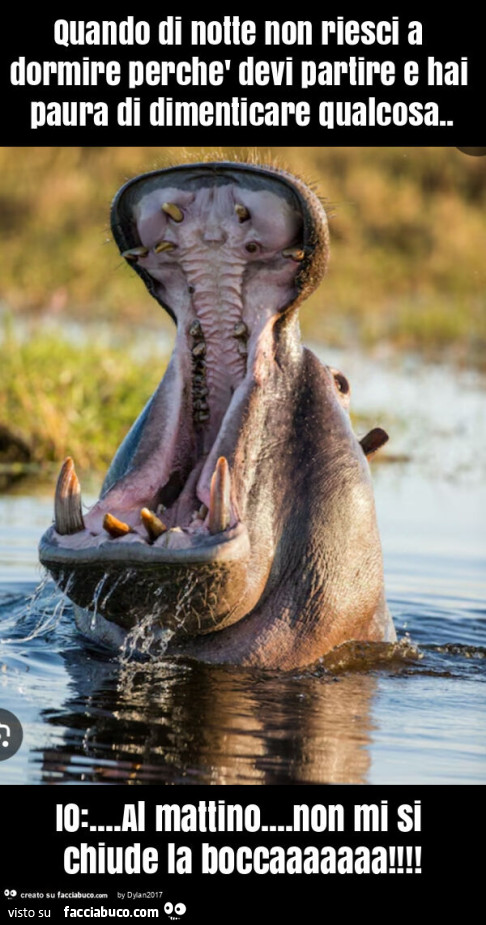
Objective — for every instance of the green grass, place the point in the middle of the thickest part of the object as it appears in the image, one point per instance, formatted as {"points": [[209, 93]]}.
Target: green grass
{"points": [[63, 399]]}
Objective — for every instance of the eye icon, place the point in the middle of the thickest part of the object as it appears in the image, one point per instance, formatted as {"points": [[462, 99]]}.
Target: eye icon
{"points": [[10, 893], [174, 912]]}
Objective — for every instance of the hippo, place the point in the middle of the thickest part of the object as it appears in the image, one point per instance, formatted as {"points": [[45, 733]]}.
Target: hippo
{"points": [[236, 523]]}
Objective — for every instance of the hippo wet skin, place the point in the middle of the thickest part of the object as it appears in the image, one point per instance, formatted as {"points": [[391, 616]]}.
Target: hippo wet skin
{"points": [[237, 520]]}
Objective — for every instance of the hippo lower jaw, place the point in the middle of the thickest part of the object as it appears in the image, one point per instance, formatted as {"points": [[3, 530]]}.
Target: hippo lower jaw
{"points": [[238, 512], [193, 569], [169, 538]]}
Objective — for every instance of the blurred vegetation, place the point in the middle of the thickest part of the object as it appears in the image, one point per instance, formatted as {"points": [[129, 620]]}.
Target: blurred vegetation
{"points": [[60, 400], [408, 234]]}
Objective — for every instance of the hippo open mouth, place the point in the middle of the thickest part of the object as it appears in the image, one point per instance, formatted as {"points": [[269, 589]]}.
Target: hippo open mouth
{"points": [[226, 507]]}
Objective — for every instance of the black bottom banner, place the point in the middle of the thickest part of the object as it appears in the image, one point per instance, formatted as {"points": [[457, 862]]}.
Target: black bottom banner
{"points": [[216, 852]]}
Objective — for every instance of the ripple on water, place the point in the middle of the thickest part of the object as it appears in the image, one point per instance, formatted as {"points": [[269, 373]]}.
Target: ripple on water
{"points": [[130, 717]]}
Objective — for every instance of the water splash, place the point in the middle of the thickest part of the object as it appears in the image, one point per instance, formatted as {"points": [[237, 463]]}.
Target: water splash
{"points": [[96, 599], [405, 657], [150, 637], [45, 606], [145, 640], [186, 593], [457, 648], [356, 656]]}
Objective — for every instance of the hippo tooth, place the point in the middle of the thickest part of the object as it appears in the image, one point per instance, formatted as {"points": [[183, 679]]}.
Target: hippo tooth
{"points": [[164, 246], [171, 209], [135, 252], [199, 350], [153, 525], [115, 527], [242, 212], [373, 441], [219, 498], [202, 512], [240, 329], [68, 516], [195, 330], [296, 253]]}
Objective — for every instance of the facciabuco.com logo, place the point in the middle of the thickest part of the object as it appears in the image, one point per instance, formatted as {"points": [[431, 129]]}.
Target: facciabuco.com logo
{"points": [[103, 912]]}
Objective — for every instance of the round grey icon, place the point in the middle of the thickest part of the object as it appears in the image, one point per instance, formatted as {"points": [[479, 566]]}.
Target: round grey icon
{"points": [[473, 152], [11, 734]]}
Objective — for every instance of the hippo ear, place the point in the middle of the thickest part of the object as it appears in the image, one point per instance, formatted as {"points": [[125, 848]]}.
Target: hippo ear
{"points": [[373, 441]]}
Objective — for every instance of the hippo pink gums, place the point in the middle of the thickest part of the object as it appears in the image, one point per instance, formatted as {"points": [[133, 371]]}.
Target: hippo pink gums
{"points": [[238, 514]]}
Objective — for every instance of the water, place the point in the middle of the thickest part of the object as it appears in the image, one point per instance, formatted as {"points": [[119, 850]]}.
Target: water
{"points": [[412, 713]]}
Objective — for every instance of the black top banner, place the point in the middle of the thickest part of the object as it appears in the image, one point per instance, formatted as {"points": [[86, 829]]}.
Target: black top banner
{"points": [[408, 79]]}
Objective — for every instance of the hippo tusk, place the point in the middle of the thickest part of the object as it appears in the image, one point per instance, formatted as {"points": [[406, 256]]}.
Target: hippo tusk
{"points": [[219, 502], [68, 516]]}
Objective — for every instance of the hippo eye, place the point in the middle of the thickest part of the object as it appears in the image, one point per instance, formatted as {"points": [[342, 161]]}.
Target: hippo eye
{"points": [[342, 383], [251, 247]]}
